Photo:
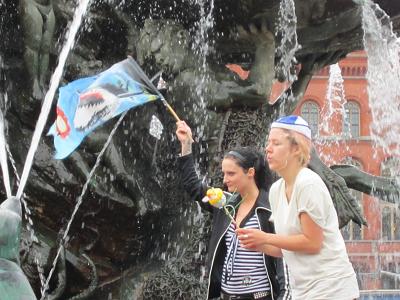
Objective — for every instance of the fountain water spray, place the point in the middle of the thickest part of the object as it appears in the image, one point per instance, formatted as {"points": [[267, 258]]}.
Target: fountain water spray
{"points": [[334, 106], [29, 222], [3, 154], [3, 157], [383, 50], [202, 46], [78, 204], [54, 82], [335, 95], [286, 31]]}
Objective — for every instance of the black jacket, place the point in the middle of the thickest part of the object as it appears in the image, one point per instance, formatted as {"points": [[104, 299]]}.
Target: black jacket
{"points": [[276, 269]]}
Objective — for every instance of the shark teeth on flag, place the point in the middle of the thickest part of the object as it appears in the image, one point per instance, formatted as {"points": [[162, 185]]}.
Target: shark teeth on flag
{"points": [[87, 103]]}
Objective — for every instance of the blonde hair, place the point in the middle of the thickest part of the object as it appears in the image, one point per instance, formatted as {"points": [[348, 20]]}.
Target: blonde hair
{"points": [[302, 142]]}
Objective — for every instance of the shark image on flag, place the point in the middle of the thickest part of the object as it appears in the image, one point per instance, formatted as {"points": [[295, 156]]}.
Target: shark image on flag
{"points": [[85, 104]]}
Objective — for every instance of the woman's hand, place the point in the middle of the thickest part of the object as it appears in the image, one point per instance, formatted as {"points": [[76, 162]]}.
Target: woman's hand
{"points": [[257, 240], [252, 239], [184, 135]]}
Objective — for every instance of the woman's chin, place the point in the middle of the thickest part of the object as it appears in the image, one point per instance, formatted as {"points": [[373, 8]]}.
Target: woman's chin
{"points": [[231, 189]]}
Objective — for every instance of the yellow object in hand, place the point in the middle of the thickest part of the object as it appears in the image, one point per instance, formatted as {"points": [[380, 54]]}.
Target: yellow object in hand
{"points": [[216, 197]]}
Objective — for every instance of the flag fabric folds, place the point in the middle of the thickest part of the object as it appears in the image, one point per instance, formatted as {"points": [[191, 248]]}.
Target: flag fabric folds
{"points": [[85, 104]]}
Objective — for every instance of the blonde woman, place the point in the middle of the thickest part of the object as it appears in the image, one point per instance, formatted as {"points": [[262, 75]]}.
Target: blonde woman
{"points": [[306, 223]]}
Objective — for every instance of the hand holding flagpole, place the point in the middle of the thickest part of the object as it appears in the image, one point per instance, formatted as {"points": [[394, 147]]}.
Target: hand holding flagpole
{"points": [[184, 135]]}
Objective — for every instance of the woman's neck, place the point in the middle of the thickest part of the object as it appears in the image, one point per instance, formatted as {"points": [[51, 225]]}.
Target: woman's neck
{"points": [[250, 195], [290, 174]]}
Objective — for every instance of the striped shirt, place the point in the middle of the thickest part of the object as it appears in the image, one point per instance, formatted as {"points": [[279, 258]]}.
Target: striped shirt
{"points": [[244, 270]]}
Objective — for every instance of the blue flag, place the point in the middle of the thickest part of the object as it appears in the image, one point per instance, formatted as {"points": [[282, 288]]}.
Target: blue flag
{"points": [[87, 103]]}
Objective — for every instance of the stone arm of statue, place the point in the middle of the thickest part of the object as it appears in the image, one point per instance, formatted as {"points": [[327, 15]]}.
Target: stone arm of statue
{"points": [[346, 206], [309, 65], [383, 187], [262, 71]]}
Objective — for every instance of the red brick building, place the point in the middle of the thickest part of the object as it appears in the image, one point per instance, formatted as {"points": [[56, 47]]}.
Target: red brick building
{"points": [[342, 135]]}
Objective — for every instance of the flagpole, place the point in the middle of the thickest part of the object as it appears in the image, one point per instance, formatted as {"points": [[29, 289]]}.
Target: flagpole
{"points": [[171, 110], [150, 84], [166, 104]]}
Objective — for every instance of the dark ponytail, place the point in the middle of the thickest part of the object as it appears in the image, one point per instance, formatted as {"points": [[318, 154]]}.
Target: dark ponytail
{"points": [[247, 157]]}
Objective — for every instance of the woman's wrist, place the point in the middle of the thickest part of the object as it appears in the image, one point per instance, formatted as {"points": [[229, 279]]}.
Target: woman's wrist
{"points": [[186, 147]]}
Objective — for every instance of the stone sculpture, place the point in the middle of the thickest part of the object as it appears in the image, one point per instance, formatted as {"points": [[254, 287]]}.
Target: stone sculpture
{"points": [[13, 282], [38, 24]]}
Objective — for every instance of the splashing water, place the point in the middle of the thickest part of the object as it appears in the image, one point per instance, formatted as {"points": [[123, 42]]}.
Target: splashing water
{"points": [[54, 82], [4, 150], [78, 204], [335, 97], [203, 46], [383, 50], [3, 154], [3, 157], [334, 108], [286, 31], [38, 259]]}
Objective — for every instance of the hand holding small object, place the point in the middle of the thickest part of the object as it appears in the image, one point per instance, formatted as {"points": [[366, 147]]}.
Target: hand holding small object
{"points": [[216, 197]]}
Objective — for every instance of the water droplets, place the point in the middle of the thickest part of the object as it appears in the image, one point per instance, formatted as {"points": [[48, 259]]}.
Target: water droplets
{"points": [[286, 33], [383, 50]]}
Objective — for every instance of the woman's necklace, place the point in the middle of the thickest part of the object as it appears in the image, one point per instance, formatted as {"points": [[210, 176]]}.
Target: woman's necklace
{"points": [[231, 214]]}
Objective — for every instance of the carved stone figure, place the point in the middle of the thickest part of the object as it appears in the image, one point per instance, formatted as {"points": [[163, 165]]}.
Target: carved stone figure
{"points": [[13, 283], [38, 23]]}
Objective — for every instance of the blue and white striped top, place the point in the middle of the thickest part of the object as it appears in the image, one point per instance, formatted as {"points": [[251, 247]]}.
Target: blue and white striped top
{"points": [[243, 271]]}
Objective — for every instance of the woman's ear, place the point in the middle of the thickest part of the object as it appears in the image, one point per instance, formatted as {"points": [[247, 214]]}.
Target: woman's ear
{"points": [[251, 172], [296, 151]]}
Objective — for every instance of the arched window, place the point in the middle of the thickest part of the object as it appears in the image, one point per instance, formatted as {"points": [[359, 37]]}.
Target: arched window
{"points": [[352, 231], [351, 119], [310, 113]]}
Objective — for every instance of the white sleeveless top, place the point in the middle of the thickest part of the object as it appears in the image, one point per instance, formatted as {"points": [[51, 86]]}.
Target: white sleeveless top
{"points": [[328, 274]]}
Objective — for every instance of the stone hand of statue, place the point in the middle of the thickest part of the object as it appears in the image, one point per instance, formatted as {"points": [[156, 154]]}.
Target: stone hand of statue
{"points": [[252, 239], [184, 135], [257, 35], [345, 204]]}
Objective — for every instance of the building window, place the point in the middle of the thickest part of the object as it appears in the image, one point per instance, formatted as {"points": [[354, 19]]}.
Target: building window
{"points": [[390, 275], [353, 231], [390, 211], [351, 119], [390, 221], [310, 113]]}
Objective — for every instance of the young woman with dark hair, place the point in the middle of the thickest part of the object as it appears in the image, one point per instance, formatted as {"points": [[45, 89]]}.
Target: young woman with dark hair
{"points": [[235, 272]]}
